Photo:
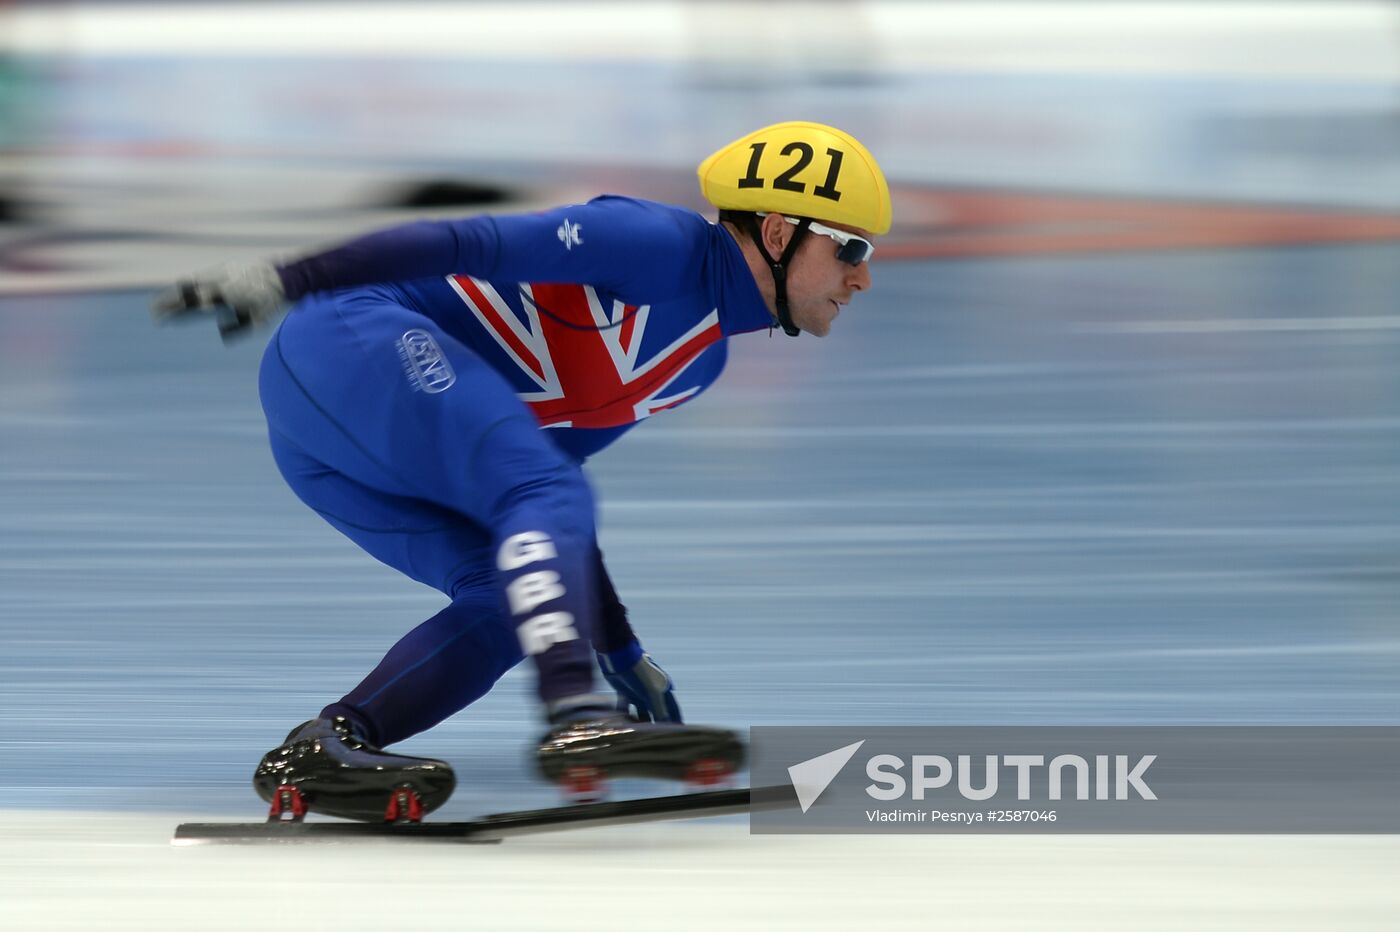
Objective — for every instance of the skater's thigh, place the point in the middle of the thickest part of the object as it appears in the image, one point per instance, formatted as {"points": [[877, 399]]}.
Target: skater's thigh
{"points": [[381, 394], [422, 540]]}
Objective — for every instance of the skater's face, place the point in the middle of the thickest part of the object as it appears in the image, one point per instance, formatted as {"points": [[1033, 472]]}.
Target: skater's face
{"points": [[818, 283]]}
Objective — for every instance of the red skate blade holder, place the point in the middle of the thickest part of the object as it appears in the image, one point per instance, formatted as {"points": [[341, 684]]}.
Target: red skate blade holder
{"points": [[288, 805], [583, 784], [708, 773], [404, 806]]}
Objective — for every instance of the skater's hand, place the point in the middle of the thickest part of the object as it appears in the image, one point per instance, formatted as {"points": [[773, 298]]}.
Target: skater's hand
{"points": [[241, 296], [644, 690]]}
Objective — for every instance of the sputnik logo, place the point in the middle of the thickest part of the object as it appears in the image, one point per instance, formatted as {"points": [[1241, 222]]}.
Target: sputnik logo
{"points": [[811, 777]]}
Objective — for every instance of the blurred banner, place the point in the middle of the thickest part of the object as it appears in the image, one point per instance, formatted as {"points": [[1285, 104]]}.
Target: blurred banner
{"points": [[816, 38]]}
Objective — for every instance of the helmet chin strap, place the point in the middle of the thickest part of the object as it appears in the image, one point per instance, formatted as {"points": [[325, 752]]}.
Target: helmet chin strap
{"points": [[779, 268]]}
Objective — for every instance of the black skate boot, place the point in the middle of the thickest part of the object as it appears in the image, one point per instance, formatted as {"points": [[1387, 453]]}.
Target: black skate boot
{"points": [[325, 766], [581, 753]]}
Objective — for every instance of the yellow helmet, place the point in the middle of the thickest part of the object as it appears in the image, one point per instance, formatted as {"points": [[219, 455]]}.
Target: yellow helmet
{"points": [[799, 169]]}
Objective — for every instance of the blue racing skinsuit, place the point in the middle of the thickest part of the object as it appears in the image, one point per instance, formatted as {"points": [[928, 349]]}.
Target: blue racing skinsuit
{"points": [[433, 394]]}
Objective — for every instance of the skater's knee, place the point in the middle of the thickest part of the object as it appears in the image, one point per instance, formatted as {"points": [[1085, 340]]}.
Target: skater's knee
{"points": [[560, 498], [521, 472], [570, 492]]}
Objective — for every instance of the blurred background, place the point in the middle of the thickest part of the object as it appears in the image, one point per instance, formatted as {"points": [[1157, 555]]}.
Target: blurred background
{"points": [[1112, 440]]}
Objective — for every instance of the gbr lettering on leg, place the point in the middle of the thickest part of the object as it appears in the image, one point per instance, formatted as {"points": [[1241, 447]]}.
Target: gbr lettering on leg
{"points": [[529, 591]]}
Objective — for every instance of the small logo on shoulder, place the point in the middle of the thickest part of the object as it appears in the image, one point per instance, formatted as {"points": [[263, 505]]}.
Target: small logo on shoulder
{"points": [[424, 363], [568, 234]]}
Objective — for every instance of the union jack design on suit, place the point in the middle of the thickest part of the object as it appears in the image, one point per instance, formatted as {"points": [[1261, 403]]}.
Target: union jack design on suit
{"points": [[586, 361]]}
